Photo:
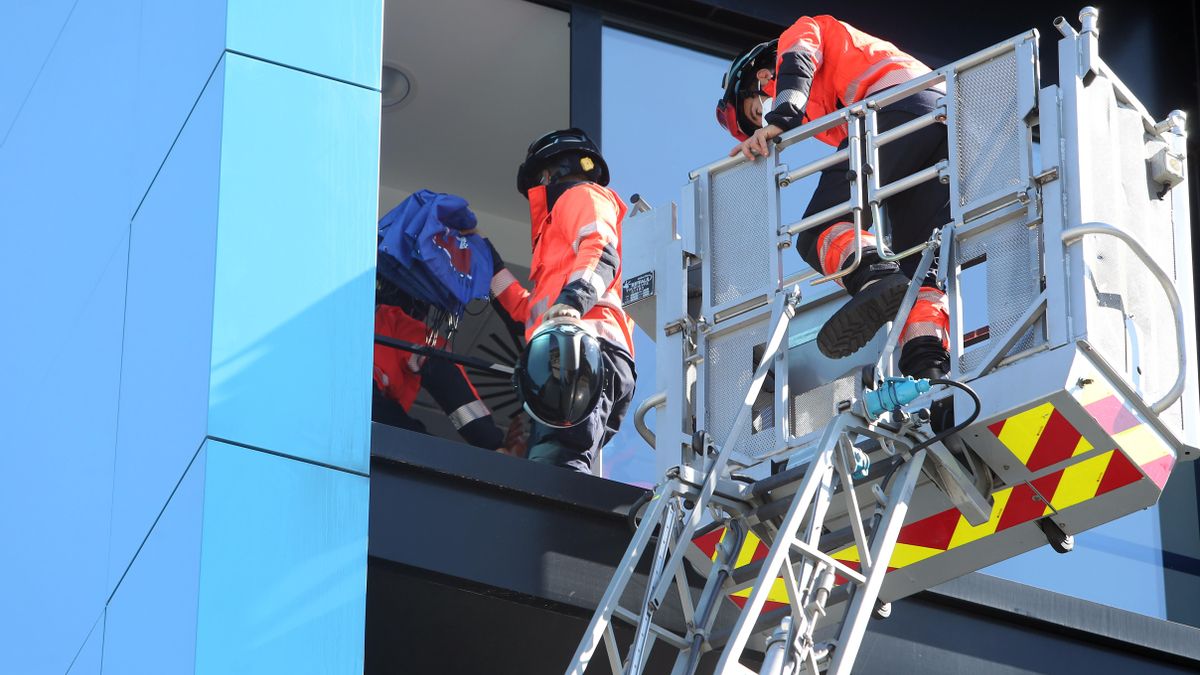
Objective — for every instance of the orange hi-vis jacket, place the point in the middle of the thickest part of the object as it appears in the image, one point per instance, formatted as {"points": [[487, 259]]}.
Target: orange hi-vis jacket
{"points": [[397, 372], [824, 64], [576, 261]]}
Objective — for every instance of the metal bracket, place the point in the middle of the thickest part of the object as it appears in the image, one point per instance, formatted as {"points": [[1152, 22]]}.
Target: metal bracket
{"points": [[1046, 176], [959, 487]]}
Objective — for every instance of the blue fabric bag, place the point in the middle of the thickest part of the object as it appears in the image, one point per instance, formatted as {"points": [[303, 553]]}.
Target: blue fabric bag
{"points": [[428, 248]]}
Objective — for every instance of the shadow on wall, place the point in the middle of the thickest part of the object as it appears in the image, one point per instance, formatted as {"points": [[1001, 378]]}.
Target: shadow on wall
{"points": [[298, 384]]}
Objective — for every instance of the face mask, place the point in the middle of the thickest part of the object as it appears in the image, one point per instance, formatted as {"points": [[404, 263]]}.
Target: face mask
{"points": [[767, 106]]}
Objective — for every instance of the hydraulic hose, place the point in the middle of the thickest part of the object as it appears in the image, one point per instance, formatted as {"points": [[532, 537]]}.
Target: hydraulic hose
{"points": [[945, 433], [636, 507]]}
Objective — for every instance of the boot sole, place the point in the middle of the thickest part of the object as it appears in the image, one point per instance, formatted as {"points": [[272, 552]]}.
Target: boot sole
{"points": [[855, 324]]}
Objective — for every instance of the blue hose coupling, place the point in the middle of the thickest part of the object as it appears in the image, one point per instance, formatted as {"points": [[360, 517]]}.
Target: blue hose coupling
{"points": [[862, 464], [895, 393]]}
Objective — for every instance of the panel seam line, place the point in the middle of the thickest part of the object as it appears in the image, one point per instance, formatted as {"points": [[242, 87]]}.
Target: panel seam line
{"points": [[153, 525], [175, 141], [37, 78], [301, 70], [306, 460]]}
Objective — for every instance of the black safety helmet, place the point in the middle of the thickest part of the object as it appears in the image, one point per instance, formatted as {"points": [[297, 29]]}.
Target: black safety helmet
{"points": [[739, 83], [570, 149], [560, 375]]}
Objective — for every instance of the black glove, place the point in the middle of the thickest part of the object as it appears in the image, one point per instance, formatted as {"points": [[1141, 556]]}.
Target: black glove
{"points": [[497, 261]]}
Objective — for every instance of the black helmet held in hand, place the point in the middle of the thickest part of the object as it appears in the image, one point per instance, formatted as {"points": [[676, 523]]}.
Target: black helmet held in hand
{"points": [[560, 375], [564, 152]]}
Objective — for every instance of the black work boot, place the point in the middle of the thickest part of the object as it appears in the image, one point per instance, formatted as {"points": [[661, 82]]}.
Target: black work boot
{"points": [[924, 357], [877, 288]]}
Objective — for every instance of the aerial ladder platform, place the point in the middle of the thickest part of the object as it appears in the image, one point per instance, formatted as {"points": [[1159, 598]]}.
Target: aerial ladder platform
{"points": [[801, 495]]}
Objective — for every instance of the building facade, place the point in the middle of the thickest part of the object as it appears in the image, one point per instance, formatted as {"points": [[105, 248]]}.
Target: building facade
{"points": [[189, 477]]}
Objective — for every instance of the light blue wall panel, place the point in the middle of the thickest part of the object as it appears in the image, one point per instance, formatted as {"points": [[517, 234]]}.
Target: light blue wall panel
{"points": [[284, 566], [56, 463], [295, 264], [87, 661], [337, 38], [151, 623], [168, 330], [179, 45], [29, 30]]}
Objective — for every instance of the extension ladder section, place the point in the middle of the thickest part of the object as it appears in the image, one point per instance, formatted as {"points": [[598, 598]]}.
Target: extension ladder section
{"points": [[802, 495]]}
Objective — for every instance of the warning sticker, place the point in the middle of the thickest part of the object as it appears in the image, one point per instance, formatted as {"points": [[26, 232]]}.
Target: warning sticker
{"points": [[637, 288]]}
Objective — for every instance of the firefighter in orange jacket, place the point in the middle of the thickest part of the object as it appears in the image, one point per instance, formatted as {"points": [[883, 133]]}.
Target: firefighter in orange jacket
{"points": [[817, 66], [399, 375], [576, 275]]}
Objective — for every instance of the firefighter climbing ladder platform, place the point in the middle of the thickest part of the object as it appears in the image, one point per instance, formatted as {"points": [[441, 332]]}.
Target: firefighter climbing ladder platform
{"points": [[804, 495]]}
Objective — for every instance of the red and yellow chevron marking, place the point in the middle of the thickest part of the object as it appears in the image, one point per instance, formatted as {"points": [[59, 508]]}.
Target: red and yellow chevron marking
{"points": [[1129, 429], [1040, 437], [752, 549], [1013, 506]]}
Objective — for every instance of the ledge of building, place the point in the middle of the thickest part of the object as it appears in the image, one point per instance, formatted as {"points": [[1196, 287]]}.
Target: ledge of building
{"points": [[549, 537], [1071, 616]]}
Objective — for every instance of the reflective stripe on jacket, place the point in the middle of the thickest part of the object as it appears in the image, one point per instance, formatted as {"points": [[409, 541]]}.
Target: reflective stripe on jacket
{"points": [[824, 64], [400, 375], [576, 261]]}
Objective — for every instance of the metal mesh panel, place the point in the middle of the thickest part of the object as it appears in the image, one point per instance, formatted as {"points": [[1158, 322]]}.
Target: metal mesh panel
{"points": [[988, 129], [739, 244], [728, 370], [1013, 282], [813, 409]]}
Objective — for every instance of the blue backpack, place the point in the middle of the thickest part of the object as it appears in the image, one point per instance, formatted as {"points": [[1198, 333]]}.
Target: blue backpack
{"points": [[428, 248]]}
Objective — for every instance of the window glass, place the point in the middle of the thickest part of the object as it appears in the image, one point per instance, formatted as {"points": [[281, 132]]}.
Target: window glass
{"points": [[1118, 564], [659, 123]]}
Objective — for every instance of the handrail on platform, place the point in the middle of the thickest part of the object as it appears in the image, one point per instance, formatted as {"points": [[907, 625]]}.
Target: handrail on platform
{"points": [[1073, 234]]}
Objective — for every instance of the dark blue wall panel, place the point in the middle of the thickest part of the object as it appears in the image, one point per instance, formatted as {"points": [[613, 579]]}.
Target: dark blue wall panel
{"points": [[28, 33], [63, 180], [63, 245], [168, 329], [179, 45], [58, 429], [151, 622], [116, 176], [87, 661]]}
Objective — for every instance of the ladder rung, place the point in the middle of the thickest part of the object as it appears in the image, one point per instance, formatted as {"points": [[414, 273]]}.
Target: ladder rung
{"points": [[776, 508], [742, 576], [662, 633], [766, 620], [838, 565], [776, 481]]}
